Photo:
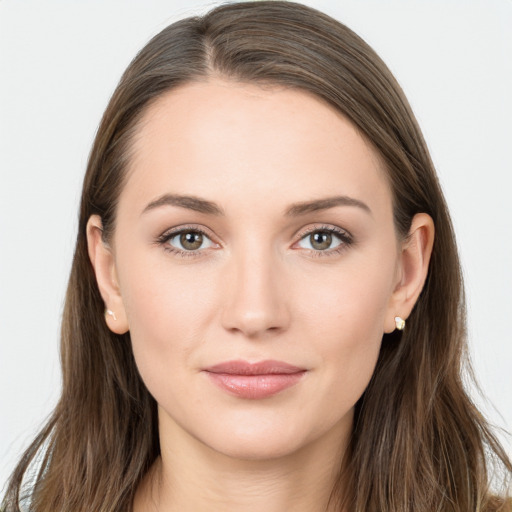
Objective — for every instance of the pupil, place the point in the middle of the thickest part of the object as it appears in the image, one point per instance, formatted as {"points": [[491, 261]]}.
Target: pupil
{"points": [[191, 240], [321, 240]]}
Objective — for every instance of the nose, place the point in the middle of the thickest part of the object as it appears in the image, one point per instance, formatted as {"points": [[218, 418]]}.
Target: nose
{"points": [[256, 302]]}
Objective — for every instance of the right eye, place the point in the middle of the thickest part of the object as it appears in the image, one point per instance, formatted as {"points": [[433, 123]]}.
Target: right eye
{"points": [[186, 242]]}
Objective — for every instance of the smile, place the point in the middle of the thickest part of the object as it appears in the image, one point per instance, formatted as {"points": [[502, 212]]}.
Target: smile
{"points": [[254, 380]]}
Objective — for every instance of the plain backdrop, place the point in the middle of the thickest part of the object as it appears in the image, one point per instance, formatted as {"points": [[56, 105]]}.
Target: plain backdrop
{"points": [[59, 64]]}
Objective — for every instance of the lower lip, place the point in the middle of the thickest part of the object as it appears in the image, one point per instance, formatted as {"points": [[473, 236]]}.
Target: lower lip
{"points": [[255, 386]]}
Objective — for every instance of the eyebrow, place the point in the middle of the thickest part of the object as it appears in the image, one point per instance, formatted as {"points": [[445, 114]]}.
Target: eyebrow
{"points": [[295, 210], [190, 202], [305, 207]]}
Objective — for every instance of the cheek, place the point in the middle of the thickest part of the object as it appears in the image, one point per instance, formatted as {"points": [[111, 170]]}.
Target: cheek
{"points": [[166, 309], [350, 299], [344, 319]]}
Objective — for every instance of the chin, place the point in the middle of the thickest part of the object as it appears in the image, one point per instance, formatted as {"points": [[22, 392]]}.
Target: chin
{"points": [[259, 441], [257, 449]]}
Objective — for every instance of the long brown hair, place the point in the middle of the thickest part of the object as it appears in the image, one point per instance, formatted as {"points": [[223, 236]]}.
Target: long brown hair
{"points": [[419, 444]]}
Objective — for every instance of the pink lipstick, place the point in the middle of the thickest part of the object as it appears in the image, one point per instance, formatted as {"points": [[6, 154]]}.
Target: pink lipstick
{"points": [[254, 380]]}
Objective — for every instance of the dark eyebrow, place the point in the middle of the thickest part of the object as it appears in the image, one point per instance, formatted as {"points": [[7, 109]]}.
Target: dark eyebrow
{"points": [[323, 204], [191, 202], [210, 208]]}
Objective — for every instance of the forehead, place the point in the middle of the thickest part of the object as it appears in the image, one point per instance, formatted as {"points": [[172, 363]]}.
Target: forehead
{"points": [[224, 138]]}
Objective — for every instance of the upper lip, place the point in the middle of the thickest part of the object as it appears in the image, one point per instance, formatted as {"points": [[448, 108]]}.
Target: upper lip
{"points": [[268, 367]]}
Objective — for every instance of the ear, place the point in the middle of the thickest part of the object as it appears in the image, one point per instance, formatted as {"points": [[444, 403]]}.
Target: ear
{"points": [[103, 262], [413, 261]]}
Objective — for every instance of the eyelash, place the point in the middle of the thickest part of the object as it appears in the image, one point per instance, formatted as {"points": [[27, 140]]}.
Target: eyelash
{"points": [[168, 235], [344, 236]]}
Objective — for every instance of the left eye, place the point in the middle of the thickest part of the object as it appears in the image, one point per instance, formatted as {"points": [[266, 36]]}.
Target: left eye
{"points": [[190, 241], [321, 240]]}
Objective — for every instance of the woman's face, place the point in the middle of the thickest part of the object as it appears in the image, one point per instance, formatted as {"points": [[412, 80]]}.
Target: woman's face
{"points": [[255, 226]]}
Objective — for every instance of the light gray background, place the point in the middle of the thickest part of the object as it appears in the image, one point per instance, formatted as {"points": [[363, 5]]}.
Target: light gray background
{"points": [[59, 63]]}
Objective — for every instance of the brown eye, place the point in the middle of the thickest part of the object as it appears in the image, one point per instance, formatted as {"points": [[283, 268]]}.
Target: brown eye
{"points": [[323, 239], [188, 240], [191, 240]]}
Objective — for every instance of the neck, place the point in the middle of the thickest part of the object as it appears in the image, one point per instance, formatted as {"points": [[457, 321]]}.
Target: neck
{"points": [[190, 477]]}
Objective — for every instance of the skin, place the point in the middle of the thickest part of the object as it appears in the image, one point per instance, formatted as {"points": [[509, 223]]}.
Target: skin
{"points": [[258, 288]]}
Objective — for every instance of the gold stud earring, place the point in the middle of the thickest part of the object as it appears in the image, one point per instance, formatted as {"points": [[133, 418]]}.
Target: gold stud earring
{"points": [[400, 323], [111, 313]]}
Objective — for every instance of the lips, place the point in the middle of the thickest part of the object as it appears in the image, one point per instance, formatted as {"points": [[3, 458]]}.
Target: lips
{"points": [[254, 380]]}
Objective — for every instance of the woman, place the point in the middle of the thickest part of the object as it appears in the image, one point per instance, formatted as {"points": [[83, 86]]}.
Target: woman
{"points": [[265, 308]]}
